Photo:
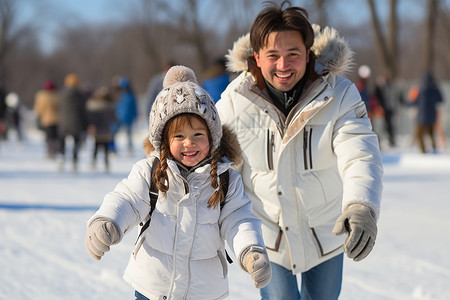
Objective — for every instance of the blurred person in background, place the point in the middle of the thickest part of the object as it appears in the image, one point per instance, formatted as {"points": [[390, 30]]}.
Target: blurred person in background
{"points": [[3, 111], [14, 114], [101, 115], [362, 85], [387, 97], [73, 118], [428, 98], [126, 110], [216, 79], [46, 108]]}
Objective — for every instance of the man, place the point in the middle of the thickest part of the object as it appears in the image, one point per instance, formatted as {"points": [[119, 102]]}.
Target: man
{"points": [[312, 164]]}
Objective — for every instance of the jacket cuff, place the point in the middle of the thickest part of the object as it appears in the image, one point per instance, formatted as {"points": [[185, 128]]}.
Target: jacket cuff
{"points": [[243, 255]]}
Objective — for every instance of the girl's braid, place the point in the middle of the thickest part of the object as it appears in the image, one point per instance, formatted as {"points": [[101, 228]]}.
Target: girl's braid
{"points": [[218, 195], [162, 180]]}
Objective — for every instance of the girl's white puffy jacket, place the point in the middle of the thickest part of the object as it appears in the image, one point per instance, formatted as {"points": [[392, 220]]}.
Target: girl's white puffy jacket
{"points": [[302, 171], [182, 253]]}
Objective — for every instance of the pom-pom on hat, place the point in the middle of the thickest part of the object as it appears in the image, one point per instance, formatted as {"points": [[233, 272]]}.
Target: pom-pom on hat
{"points": [[182, 94]]}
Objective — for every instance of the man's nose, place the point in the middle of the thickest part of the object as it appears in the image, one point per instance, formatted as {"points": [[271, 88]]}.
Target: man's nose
{"points": [[282, 63]]}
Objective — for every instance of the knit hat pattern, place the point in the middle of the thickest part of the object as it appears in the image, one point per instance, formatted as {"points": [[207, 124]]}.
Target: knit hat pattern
{"points": [[182, 94]]}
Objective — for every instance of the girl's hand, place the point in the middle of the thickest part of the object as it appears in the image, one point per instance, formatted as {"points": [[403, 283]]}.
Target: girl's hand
{"points": [[100, 235]]}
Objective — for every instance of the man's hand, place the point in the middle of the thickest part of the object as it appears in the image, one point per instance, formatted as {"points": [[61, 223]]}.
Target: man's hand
{"points": [[257, 263], [99, 236], [360, 223]]}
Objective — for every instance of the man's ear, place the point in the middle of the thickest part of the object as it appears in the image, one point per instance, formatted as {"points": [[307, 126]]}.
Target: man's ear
{"points": [[256, 58], [307, 56]]}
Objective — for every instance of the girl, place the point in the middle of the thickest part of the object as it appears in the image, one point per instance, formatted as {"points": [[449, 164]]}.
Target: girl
{"points": [[181, 255]]}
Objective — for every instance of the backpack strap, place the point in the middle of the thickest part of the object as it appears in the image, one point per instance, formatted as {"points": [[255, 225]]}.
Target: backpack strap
{"points": [[153, 192], [224, 179]]}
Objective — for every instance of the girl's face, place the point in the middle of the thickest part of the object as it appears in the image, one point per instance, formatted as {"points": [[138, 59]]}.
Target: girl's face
{"points": [[189, 142]]}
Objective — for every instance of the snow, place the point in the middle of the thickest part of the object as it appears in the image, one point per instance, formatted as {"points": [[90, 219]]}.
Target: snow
{"points": [[43, 214]]}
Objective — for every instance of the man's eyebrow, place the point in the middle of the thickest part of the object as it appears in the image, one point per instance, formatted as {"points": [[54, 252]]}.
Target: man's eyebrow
{"points": [[289, 50]]}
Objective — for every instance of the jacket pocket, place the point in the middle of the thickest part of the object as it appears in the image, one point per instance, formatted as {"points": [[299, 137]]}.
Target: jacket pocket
{"points": [[307, 148], [272, 235], [270, 148], [327, 243]]}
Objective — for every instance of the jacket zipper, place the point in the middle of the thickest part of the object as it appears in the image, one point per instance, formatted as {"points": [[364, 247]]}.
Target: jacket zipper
{"points": [[307, 149], [270, 148]]}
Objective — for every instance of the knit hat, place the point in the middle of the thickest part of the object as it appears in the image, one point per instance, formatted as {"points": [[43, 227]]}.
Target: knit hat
{"points": [[182, 94], [49, 85]]}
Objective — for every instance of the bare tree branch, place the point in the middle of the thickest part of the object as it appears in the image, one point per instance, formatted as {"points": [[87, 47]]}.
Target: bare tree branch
{"points": [[430, 34]]}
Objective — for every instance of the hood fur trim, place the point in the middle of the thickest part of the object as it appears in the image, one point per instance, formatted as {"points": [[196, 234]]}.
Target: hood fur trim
{"points": [[237, 56], [229, 146], [332, 51]]}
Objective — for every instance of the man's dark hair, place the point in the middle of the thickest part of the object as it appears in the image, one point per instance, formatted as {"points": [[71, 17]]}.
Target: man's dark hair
{"points": [[275, 18]]}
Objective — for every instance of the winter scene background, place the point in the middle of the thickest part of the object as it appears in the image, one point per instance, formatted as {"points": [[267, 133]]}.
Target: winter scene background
{"points": [[43, 214], [43, 210]]}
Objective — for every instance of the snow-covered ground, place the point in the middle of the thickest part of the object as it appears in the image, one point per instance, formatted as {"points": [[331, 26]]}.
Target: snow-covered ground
{"points": [[43, 214]]}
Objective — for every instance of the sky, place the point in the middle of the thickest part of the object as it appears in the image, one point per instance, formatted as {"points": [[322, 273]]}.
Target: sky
{"points": [[52, 14], [43, 214]]}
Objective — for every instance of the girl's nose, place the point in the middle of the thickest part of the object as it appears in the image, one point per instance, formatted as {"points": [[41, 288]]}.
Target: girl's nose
{"points": [[187, 142]]}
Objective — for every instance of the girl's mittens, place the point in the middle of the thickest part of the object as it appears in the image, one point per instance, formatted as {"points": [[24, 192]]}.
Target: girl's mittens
{"points": [[100, 235]]}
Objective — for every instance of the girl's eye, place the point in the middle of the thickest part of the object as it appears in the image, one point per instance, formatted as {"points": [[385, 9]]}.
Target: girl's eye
{"points": [[178, 136], [198, 134]]}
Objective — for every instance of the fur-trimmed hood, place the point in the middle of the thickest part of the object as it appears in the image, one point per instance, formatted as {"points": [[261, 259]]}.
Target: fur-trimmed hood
{"points": [[229, 146], [333, 54]]}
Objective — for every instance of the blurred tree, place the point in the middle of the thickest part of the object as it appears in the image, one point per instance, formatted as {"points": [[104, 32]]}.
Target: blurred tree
{"points": [[388, 47], [11, 30], [430, 34], [195, 33]]}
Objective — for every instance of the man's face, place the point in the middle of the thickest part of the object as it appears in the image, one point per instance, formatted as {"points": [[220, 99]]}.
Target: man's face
{"points": [[283, 59]]}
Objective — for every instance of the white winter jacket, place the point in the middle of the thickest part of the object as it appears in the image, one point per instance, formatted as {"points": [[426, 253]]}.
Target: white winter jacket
{"points": [[182, 253], [302, 171]]}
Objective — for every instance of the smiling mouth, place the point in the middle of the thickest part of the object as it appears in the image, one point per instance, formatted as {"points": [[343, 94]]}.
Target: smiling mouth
{"points": [[189, 154], [283, 76]]}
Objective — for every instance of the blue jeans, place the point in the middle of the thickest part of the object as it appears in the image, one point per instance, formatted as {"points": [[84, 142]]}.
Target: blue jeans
{"points": [[323, 282], [139, 296]]}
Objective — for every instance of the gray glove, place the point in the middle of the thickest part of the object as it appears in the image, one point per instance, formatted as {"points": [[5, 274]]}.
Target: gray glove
{"points": [[256, 262], [99, 236], [360, 223]]}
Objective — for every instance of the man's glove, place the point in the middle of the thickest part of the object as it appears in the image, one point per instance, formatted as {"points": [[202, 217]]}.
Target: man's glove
{"points": [[99, 236], [256, 262], [360, 222]]}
